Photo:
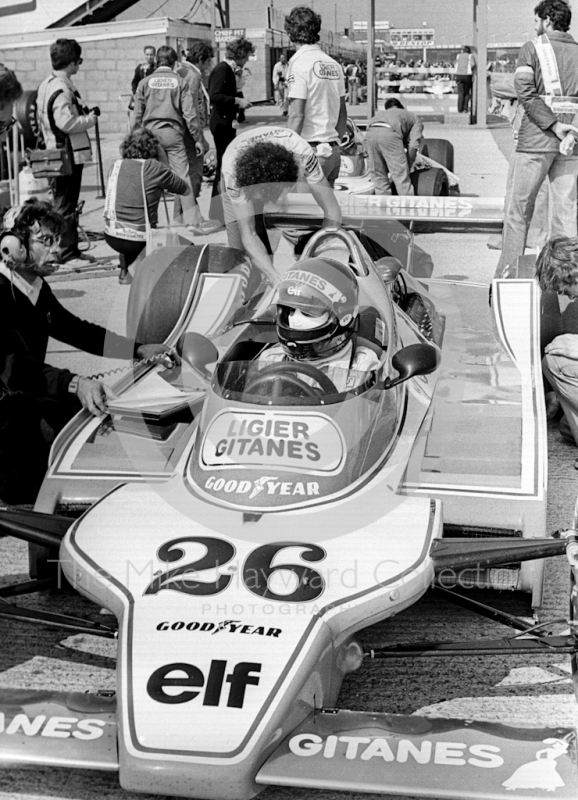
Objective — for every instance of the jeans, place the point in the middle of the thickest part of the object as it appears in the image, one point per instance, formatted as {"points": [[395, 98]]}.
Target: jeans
{"points": [[65, 195], [562, 375], [173, 143], [528, 174], [387, 157]]}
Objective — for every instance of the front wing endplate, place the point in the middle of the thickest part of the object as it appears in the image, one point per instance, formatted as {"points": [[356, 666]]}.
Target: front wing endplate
{"points": [[417, 756]]}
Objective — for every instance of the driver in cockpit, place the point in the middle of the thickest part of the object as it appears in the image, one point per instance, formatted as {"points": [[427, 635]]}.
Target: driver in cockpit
{"points": [[317, 308]]}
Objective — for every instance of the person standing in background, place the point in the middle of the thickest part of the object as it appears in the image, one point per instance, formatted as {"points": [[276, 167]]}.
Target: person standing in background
{"points": [[546, 83], [64, 123], [10, 91], [165, 105], [143, 70], [316, 89], [280, 83], [465, 68], [224, 102], [198, 63]]}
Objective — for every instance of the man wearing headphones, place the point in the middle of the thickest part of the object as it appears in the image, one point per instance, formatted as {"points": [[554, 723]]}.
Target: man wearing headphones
{"points": [[46, 397]]}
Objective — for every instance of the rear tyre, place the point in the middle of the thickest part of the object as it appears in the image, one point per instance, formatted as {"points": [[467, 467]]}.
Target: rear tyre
{"points": [[25, 116], [439, 150], [430, 183]]}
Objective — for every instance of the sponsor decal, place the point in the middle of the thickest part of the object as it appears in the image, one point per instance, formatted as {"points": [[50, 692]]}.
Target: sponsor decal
{"points": [[187, 677], [52, 727], [326, 70], [346, 165], [269, 485], [311, 165], [366, 748], [228, 625], [442, 207], [542, 773], [310, 279], [167, 82], [270, 133], [291, 440]]}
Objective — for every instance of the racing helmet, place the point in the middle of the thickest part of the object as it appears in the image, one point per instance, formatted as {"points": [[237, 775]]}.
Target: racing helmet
{"points": [[317, 307]]}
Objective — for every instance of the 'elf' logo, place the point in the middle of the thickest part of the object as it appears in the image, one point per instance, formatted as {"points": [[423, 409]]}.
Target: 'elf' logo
{"points": [[188, 677]]}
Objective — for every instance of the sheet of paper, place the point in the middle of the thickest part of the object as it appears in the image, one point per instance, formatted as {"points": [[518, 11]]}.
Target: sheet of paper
{"points": [[153, 390]]}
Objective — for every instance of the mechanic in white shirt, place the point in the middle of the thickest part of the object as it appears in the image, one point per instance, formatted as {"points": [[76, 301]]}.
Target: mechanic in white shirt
{"points": [[317, 307], [262, 165], [316, 89]]}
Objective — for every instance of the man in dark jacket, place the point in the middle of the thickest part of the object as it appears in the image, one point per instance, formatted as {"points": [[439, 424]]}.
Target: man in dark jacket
{"points": [[392, 142], [224, 105], [36, 399], [549, 98], [145, 69]]}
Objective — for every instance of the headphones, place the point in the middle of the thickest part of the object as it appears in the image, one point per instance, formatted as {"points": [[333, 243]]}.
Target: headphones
{"points": [[13, 249]]}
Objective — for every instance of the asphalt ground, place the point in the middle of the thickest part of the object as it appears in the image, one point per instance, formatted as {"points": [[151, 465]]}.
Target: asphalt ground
{"points": [[515, 689]]}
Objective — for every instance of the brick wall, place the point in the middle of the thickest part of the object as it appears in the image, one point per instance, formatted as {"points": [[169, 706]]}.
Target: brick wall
{"points": [[110, 54]]}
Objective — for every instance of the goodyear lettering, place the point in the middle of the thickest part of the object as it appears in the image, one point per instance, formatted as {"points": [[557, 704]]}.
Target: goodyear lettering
{"points": [[191, 680], [365, 748], [52, 727], [270, 486], [229, 626]]}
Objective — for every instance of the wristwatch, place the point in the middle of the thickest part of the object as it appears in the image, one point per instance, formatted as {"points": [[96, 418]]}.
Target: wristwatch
{"points": [[73, 385]]}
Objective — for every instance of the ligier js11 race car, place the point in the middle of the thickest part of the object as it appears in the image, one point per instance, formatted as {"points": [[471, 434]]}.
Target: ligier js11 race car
{"points": [[243, 520]]}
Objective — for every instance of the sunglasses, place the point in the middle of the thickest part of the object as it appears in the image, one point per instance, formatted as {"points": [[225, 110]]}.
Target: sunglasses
{"points": [[7, 126], [79, 60], [46, 239]]}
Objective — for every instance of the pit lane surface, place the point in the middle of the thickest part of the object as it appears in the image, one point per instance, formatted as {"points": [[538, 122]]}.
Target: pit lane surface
{"points": [[513, 690]]}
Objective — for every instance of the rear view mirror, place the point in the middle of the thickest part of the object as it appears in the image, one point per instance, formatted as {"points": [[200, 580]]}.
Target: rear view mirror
{"points": [[198, 351], [415, 359], [388, 268]]}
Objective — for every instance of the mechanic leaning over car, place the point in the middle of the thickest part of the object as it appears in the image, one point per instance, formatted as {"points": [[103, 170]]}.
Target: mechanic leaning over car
{"points": [[392, 141], [546, 82], [36, 399], [262, 165], [557, 271], [317, 304]]}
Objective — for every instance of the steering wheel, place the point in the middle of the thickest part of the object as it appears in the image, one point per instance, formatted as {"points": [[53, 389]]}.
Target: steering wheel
{"points": [[284, 372]]}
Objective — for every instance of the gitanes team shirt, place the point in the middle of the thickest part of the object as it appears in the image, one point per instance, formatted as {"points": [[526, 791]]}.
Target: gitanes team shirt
{"points": [[309, 169], [317, 78]]}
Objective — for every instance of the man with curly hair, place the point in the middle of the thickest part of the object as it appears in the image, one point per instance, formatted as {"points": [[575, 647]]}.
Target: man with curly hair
{"points": [[557, 271], [225, 103], [262, 165], [316, 91]]}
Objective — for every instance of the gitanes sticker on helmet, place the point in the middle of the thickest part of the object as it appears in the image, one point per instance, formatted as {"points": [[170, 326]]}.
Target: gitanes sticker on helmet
{"points": [[310, 279]]}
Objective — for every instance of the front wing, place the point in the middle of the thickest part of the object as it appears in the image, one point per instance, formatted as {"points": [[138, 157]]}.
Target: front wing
{"points": [[331, 749]]}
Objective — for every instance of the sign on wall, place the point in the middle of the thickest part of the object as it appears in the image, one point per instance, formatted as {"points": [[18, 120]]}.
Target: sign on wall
{"points": [[412, 37], [229, 34]]}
